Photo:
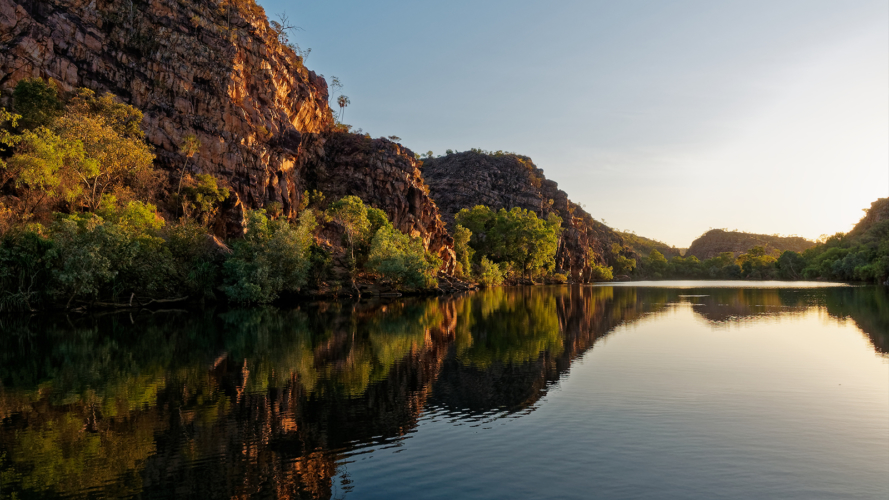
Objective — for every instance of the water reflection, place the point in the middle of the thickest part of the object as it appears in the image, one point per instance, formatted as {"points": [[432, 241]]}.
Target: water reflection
{"points": [[271, 402]]}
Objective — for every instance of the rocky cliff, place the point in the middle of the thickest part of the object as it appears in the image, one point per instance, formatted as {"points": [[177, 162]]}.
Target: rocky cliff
{"points": [[204, 68], [215, 69], [716, 241], [463, 180], [386, 175]]}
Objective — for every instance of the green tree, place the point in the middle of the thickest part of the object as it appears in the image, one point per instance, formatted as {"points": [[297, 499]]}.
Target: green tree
{"points": [[790, 265], [656, 265], [273, 257], [201, 198], [402, 259], [37, 101], [489, 273], [516, 236], [463, 251], [350, 213]]}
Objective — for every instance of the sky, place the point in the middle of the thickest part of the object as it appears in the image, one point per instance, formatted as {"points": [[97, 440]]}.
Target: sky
{"points": [[666, 118]]}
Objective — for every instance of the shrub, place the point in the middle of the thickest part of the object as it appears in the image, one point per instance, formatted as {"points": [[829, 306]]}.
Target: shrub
{"points": [[600, 273], [25, 258], [113, 252], [560, 277], [402, 259], [37, 101], [201, 197], [489, 273], [271, 258], [463, 250], [196, 263]]}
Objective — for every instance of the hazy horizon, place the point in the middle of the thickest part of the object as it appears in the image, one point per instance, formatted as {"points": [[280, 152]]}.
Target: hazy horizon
{"points": [[665, 119]]}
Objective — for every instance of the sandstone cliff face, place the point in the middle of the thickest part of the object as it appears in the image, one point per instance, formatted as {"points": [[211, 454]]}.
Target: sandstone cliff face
{"points": [[386, 176], [214, 68], [716, 241], [463, 180], [202, 68]]}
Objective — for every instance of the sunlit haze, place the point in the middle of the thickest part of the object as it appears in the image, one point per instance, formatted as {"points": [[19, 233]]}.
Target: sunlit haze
{"points": [[664, 118]]}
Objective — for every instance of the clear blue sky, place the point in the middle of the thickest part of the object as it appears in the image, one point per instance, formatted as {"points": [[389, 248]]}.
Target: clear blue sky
{"points": [[662, 117]]}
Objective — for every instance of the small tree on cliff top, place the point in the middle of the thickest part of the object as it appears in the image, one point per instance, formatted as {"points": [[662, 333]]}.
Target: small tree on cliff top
{"points": [[343, 101]]}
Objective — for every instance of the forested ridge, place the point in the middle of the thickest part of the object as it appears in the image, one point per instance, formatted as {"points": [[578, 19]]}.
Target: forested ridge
{"points": [[862, 254]]}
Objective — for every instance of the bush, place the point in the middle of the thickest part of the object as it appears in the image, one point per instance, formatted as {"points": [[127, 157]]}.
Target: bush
{"points": [[113, 252], [402, 259], [601, 273], [489, 273], [463, 251], [273, 257], [25, 259], [196, 263], [37, 101]]}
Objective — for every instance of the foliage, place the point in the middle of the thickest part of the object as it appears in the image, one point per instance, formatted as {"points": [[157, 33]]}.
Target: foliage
{"points": [[273, 257], [488, 273], [516, 236], [600, 273], [25, 259], [351, 214], [42, 165], [201, 198], [91, 148], [463, 251], [37, 101], [402, 259]]}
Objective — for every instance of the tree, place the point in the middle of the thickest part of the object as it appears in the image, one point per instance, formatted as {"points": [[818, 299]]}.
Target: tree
{"points": [[190, 145], [402, 259], [272, 257], [202, 197], [39, 165], [790, 265], [351, 214], [516, 236], [37, 101], [463, 251], [343, 101]]}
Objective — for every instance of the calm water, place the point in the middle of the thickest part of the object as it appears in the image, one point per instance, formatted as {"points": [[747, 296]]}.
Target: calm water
{"points": [[684, 390]]}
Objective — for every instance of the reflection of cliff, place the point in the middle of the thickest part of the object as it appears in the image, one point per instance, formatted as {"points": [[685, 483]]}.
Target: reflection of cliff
{"points": [[512, 343], [268, 407]]}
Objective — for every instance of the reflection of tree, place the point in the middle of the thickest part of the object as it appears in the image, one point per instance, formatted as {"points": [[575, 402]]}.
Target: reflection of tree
{"points": [[868, 306], [220, 405], [496, 368]]}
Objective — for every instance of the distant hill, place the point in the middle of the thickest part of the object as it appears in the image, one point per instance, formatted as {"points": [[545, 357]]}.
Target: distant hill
{"points": [[878, 212], [716, 241], [643, 246]]}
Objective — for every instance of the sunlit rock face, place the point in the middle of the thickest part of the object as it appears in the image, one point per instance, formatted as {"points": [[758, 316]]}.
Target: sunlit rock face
{"points": [[464, 180], [202, 68], [386, 176]]}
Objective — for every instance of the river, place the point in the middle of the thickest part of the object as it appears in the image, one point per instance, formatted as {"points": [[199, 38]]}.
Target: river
{"points": [[637, 390]]}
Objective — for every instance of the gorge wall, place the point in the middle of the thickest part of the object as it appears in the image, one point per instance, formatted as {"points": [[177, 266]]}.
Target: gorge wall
{"points": [[463, 180], [214, 69]]}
